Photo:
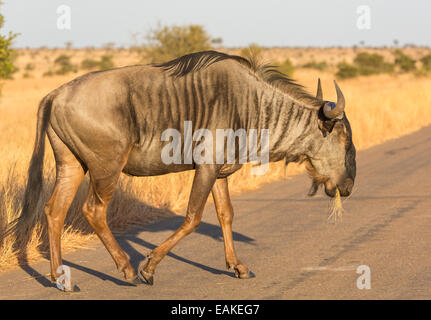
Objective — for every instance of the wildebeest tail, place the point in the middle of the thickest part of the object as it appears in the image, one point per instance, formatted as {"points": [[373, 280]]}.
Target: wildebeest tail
{"points": [[34, 185]]}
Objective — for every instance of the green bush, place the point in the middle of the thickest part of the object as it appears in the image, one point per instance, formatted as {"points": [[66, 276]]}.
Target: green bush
{"points": [[404, 62], [426, 63], [346, 70], [372, 63], [364, 64], [64, 65], [29, 67], [89, 64], [104, 63], [316, 65], [169, 42], [48, 73], [286, 67], [7, 54]]}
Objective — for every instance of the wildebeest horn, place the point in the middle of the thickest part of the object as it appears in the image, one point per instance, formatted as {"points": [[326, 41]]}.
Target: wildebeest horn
{"points": [[332, 110], [319, 94]]}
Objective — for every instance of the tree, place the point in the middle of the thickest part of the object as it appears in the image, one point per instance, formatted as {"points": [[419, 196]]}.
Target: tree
{"points": [[68, 45], [7, 54], [169, 42]]}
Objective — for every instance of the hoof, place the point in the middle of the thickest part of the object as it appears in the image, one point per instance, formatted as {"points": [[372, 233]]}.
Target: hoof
{"points": [[143, 275], [241, 271], [146, 277], [245, 275], [135, 281]]}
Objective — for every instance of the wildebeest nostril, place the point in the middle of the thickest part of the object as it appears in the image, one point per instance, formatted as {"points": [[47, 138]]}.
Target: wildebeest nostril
{"points": [[330, 192], [349, 185], [346, 188]]}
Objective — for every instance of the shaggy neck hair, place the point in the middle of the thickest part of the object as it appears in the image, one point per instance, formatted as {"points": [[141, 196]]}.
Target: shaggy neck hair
{"points": [[199, 60]]}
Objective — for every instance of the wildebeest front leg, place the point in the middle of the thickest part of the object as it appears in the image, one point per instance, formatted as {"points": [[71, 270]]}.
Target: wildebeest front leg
{"points": [[203, 181], [224, 209]]}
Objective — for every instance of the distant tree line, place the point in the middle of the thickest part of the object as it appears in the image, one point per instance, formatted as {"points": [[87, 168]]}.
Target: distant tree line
{"points": [[366, 64]]}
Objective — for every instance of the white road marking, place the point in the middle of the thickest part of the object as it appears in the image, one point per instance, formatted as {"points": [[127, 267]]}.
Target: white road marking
{"points": [[318, 268]]}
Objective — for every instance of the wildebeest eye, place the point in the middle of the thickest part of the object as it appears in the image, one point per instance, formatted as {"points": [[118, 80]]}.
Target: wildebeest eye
{"points": [[327, 126]]}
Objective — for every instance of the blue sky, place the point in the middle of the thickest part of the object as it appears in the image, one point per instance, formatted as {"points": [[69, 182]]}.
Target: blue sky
{"points": [[237, 22]]}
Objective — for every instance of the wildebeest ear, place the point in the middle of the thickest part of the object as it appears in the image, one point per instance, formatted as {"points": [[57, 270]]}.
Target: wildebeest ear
{"points": [[319, 93]]}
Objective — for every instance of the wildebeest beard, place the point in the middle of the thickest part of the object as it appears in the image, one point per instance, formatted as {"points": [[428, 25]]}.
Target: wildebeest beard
{"points": [[316, 179]]}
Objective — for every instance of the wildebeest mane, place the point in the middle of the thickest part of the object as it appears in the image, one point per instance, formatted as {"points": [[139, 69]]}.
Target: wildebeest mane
{"points": [[199, 60]]}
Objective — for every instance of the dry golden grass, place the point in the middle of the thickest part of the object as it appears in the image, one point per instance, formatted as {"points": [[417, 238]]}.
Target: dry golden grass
{"points": [[379, 108]]}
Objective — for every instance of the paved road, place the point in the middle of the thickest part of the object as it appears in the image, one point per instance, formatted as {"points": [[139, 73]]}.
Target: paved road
{"points": [[284, 237]]}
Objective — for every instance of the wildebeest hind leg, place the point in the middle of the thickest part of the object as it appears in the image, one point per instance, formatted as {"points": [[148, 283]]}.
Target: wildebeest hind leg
{"points": [[203, 181], [220, 192], [69, 174], [99, 194]]}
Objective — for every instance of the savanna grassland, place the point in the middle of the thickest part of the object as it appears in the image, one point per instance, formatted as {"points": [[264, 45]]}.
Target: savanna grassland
{"points": [[379, 106]]}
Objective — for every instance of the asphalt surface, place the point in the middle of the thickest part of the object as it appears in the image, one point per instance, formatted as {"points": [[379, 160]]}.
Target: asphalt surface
{"points": [[285, 239]]}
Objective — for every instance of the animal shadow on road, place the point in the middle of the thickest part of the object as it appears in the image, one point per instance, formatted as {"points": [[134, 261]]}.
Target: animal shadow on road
{"points": [[172, 224], [76, 223]]}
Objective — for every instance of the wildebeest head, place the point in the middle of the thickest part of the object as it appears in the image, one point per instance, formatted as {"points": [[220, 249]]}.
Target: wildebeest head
{"points": [[332, 160]]}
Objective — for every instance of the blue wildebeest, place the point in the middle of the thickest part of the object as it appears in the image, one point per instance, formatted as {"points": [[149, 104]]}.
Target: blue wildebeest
{"points": [[110, 122]]}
